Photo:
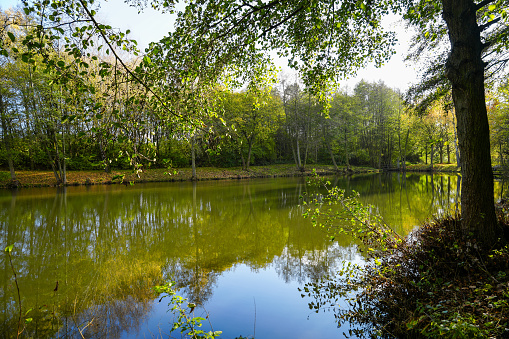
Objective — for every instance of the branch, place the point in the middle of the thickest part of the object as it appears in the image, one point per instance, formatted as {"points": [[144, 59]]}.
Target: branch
{"points": [[488, 24], [126, 68], [254, 10], [493, 40], [291, 15], [482, 4]]}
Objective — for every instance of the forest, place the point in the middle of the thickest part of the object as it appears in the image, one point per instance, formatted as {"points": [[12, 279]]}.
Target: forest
{"points": [[93, 114]]}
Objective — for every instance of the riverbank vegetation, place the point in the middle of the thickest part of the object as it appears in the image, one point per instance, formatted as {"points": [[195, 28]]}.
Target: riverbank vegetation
{"points": [[93, 115], [436, 282], [75, 178]]}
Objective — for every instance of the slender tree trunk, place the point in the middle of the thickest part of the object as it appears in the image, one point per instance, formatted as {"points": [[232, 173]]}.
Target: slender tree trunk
{"points": [[431, 156], [250, 147], [347, 161], [501, 154], [404, 153], [465, 71], [105, 160], [329, 148], [299, 164], [7, 138], [448, 153], [242, 158], [193, 158]]}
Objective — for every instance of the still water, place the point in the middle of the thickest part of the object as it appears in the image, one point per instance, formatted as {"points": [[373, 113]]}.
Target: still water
{"points": [[87, 257]]}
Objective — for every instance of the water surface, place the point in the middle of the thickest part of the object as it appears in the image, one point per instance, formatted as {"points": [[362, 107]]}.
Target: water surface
{"points": [[240, 249]]}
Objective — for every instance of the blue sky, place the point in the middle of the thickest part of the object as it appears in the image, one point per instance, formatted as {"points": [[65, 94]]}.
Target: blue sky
{"points": [[152, 25]]}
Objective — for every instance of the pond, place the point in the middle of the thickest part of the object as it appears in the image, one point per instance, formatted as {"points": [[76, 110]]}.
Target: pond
{"points": [[87, 258]]}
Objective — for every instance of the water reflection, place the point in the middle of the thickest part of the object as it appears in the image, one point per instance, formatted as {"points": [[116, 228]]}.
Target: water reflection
{"points": [[108, 245]]}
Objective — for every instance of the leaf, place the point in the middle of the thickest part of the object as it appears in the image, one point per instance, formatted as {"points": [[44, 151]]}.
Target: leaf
{"points": [[11, 36], [8, 249]]}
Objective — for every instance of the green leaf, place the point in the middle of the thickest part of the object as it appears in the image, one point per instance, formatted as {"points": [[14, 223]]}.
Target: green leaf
{"points": [[11, 36], [8, 249]]}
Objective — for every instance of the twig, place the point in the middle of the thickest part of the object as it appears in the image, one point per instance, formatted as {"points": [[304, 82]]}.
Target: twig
{"points": [[8, 250]]}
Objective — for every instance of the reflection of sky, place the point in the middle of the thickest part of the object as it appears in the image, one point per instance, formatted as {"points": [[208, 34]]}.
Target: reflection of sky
{"points": [[246, 301]]}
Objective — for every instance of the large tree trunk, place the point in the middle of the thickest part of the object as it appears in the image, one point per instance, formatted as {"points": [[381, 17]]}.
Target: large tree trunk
{"points": [[465, 70]]}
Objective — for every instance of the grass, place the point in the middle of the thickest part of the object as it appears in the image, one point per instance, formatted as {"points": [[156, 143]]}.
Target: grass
{"points": [[436, 168], [46, 178]]}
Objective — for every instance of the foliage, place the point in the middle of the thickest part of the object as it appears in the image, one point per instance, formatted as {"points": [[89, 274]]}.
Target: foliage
{"points": [[436, 282], [352, 219], [186, 322]]}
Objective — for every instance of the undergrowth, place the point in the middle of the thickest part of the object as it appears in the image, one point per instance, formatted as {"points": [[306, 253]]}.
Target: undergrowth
{"points": [[433, 283]]}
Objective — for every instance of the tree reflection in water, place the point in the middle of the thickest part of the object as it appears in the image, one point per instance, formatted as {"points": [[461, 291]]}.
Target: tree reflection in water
{"points": [[108, 245]]}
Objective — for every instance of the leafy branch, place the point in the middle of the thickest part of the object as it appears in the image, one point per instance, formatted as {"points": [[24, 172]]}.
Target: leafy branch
{"points": [[353, 218], [186, 321]]}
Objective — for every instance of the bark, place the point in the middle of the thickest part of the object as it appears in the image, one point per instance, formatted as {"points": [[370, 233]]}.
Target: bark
{"points": [[7, 138], [332, 156], [431, 156], [250, 148], [501, 155], [299, 163], [347, 161], [405, 152], [457, 150], [465, 71], [193, 158]]}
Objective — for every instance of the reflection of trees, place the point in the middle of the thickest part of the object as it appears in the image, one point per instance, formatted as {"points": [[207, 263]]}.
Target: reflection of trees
{"points": [[313, 265], [108, 320], [405, 200], [104, 243]]}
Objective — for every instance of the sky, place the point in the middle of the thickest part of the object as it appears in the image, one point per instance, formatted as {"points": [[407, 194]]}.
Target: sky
{"points": [[152, 25]]}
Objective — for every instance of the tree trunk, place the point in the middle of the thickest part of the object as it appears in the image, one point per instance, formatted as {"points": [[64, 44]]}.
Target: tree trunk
{"points": [[426, 151], [448, 154], [465, 71], [299, 163], [250, 148], [7, 138], [193, 158], [431, 156], [456, 148], [329, 148], [501, 155], [404, 153], [347, 161]]}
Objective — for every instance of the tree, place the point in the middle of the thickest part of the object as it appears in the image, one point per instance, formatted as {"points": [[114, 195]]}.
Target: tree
{"points": [[252, 116], [478, 42], [325, 39]]}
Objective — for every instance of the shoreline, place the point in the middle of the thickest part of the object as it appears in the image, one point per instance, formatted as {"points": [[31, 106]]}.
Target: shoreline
{"points": [[46, 178]]}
